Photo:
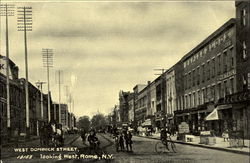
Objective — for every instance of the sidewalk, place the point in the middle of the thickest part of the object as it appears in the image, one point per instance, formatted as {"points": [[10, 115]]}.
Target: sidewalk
{"points": [[219, 145]]}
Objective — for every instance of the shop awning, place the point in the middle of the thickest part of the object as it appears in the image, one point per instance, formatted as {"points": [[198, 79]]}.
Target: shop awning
{"points": [[221, 107], [182, 114], [213, 115]]}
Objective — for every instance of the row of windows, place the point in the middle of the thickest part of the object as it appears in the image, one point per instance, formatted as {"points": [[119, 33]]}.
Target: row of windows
{"points": [[226, 36], [15, 95], [222, 63], [210, 93], [142, 102]]}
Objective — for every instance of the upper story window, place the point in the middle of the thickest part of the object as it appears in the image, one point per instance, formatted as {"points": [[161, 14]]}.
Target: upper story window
{"points": [[231, 85], [243, 17], [186, 81], [244, 50], [208, 70], [193, 77], [203, 72], [190, 80], [225, 61], [198, 75], [232, 57], [213, 68], [219, 90], [219, 64]]}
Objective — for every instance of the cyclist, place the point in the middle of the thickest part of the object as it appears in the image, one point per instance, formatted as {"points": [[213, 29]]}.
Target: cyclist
{"points": [[164, 137], [93, 140]]}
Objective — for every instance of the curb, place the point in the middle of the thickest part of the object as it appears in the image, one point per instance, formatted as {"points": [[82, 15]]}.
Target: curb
{"points": [[204, 146], [19, 142]]}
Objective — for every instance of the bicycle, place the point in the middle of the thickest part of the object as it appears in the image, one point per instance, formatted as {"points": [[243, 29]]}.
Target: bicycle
{"points": [[165, 145]]}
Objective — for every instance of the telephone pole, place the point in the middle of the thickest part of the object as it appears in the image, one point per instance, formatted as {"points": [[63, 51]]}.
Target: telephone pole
{"points": [[59, 83], [47, 63], [40, 86], [7, 10], [24, 23], [67, 110], [162, 95]]}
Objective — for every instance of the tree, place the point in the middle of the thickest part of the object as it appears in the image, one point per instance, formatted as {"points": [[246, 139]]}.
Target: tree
{"points": [[84, 123], [98, 121]]}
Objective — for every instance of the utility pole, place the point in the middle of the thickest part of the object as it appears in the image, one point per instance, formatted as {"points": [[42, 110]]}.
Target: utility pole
{"points": [[162, 95], [40, 86], [67, 109], [59, 83], [7, 10], [48, 62], [24, 23]]}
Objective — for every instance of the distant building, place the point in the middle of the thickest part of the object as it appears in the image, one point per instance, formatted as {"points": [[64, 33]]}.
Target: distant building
{"points": [[131, 109], [64, 114], [124, 106]]}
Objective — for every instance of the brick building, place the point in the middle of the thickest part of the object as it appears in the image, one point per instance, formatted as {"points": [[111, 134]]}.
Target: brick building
{"points": [[215, 79]]}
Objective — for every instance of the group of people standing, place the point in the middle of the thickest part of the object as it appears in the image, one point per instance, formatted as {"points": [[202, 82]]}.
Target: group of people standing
{"points": [[122, 137], [51, 134]]}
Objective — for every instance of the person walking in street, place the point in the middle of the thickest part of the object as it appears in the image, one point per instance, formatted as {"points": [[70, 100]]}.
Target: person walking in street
{"points": [[121, 141], [42, 133], [128, 140]]}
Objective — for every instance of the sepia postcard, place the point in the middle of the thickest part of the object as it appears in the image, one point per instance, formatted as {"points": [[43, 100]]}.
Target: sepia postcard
{"points": [[135, 81]]}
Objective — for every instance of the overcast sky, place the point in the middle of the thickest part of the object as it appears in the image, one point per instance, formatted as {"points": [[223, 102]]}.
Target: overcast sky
{"points": [[105, 47]]}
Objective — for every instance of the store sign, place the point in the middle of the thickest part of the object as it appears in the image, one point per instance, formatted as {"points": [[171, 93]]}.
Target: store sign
{"points": [[183, 128], [3, 68], [205, 132], [227, 75]]}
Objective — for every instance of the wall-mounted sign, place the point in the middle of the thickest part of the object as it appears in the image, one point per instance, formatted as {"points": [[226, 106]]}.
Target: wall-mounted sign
{"points": [[227, 74], [205, 132], [183, 128]]}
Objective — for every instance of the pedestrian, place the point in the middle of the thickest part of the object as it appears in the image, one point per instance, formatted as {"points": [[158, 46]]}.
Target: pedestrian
{"points": [[42, 135], [128, 139], [47, 134], [121, 141], [225, 135]]}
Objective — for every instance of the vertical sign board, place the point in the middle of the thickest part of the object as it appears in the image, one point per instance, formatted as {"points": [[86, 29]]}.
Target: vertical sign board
{"points": [[183, 128]]}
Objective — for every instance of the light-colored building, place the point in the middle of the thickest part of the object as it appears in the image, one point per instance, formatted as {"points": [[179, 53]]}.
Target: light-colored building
{"points": [[170, 93]]}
